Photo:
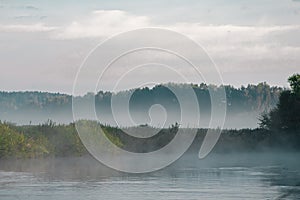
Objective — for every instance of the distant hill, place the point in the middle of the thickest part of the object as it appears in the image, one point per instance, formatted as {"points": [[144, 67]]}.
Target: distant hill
{"points": [[244, 104]]}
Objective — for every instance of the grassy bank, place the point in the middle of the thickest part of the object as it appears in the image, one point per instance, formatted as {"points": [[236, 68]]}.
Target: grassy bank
{"points": [[55, 140]]}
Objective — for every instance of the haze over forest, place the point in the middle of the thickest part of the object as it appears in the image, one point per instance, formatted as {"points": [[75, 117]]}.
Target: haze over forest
{"points": [[244, 105]]}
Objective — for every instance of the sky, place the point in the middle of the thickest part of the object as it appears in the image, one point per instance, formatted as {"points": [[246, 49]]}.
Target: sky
{"points": [[43, 43]]}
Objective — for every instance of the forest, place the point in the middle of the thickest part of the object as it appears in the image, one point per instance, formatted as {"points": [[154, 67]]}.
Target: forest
{"points": [[279, 129], [244, 102]]}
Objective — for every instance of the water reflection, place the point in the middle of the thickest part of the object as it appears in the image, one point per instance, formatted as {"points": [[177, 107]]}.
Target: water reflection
{"points": [[218, 177]]}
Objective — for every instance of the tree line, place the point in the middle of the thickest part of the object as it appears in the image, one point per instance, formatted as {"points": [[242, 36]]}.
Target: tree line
{"points": [[279, 129]]}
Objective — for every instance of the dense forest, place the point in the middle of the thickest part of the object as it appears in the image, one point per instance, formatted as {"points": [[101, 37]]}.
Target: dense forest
{"points": [[245, 103], [279, 130]]}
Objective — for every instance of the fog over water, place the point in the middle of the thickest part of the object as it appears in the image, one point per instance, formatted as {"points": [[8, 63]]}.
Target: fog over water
{"points": [[228, 176]]}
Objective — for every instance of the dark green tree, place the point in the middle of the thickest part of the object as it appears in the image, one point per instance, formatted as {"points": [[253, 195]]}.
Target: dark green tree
{"points": [[286, 116], [295, 84]]}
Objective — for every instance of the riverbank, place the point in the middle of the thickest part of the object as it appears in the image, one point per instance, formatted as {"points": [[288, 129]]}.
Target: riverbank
{"points": [[58, 140]]}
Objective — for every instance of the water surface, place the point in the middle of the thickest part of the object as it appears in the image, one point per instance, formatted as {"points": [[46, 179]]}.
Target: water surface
{"points": [[275, 176]]}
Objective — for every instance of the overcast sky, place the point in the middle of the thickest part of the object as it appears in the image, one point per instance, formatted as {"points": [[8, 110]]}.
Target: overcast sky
{"points": [[43, 43]]}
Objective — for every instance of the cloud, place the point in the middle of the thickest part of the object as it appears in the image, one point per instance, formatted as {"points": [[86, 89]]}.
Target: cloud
{"points": [[103, 23], [244, 54], [231, 46], [30, 17], [29, 7], [232, 33], [223, 42], [39, 27]]}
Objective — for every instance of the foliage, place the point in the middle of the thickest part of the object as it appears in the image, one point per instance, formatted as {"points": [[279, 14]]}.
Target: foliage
{"points": [[49, 139], [286, 116], [42, 105], [17, 144], [295, 83]]}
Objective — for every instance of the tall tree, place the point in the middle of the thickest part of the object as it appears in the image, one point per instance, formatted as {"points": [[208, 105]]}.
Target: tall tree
{"points": [[286, 116], [295, 84]]}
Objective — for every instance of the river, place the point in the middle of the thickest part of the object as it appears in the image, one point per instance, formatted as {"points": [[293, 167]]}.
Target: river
{"points": [[230, 176]]}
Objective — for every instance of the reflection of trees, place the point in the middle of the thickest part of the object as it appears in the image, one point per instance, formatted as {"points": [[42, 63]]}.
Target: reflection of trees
{"points": [[286, 179]]}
